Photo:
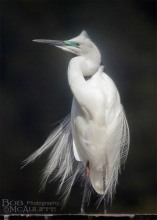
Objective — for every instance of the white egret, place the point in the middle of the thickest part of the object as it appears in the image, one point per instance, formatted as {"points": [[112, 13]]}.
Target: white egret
{"points": [[93, 140]]}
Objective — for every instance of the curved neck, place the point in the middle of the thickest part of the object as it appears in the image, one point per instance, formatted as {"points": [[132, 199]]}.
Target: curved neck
{"points": [[75, 75], [91, 62], [77, 82]]}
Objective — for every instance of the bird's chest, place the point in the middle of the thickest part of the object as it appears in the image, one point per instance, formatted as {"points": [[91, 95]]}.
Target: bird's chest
{"points": [[88, 136], [85, 130], [80, 118]]}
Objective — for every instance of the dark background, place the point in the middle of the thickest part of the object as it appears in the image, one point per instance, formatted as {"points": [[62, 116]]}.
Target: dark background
{"points": [[35, 92]]}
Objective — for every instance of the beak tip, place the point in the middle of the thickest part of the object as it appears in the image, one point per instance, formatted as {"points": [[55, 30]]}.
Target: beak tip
{"points": [[51, 42]]}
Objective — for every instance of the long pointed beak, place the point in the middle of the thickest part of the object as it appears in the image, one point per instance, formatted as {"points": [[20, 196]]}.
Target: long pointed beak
{"points": [[51, 42]]}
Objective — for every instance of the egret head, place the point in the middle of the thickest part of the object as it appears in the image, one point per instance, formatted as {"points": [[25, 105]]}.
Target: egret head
{"points": [[80, 45]]}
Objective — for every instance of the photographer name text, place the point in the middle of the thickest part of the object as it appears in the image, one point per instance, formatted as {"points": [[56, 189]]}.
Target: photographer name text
{"points": [[20, 206]]}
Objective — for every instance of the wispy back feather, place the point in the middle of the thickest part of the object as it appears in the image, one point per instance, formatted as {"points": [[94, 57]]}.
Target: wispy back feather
{"points": [[62, 165]]}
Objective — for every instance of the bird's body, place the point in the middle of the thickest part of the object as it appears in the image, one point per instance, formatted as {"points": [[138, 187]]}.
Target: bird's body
{"points": [[93, 127], [96, 136]]}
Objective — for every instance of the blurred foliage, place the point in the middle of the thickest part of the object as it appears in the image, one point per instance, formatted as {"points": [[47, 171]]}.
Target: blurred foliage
{"points": [[35, 92]]}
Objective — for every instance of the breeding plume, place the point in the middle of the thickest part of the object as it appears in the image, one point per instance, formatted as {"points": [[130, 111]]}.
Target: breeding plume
{"points": [[92, 141]]}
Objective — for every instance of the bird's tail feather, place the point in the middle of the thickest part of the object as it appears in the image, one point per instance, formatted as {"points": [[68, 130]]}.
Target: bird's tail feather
{"points": [[63, 167], [61, 163], [110, 178], [51, 140]]}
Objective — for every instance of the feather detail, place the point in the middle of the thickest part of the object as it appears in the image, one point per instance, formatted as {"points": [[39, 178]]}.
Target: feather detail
{"points": [[61, 163], [63, 166], [96, 131]]}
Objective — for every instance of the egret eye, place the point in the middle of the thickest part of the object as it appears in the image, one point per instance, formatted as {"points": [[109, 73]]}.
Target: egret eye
{"points": [[77, 44]]}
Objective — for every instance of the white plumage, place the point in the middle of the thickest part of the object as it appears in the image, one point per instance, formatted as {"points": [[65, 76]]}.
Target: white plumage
{"points": [[96, 132]]}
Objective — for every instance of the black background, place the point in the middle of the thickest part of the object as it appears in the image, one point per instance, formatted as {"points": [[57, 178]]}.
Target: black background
{"points": [[35, 91]]}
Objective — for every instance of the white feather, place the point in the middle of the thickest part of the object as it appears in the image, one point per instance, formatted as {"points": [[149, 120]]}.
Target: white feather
{"points": [[101, 132], [96, 131]]}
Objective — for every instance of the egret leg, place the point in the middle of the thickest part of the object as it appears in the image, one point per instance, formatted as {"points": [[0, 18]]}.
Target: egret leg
{"points": [[105, 205], [85, 187], [104, 185]]}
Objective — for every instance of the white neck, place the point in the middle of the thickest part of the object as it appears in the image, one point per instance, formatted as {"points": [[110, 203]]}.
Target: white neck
{"points": [[91, 62], [76, 74]]}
